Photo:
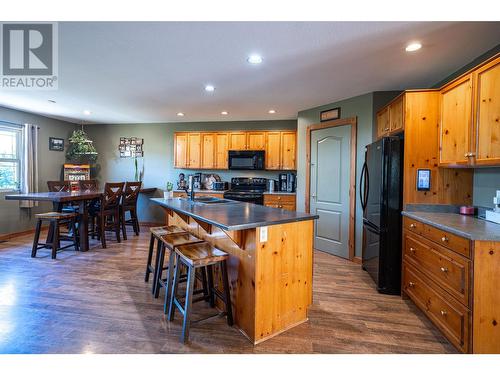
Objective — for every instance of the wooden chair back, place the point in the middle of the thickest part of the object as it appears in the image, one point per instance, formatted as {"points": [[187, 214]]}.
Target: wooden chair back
{"points": [[111, 198], [87, 185], [58, 186], [131, 193]]}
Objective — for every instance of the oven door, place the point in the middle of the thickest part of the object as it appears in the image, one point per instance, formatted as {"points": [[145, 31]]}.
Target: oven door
{"points": [[246, 160]]}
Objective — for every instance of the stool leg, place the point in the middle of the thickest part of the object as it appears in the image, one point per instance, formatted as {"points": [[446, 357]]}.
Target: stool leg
{"points": [[55, 240], [171, 308], [188, 304], [211, 285], [206, 291], [159, 273], [168, 284], [227, 293], [37, 238], [157, 260], [150, 257]]}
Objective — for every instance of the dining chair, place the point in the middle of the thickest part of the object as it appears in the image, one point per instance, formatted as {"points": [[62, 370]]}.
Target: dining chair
{"points": [[88, 185], [108, 213], [61, 186], [129, 203]]}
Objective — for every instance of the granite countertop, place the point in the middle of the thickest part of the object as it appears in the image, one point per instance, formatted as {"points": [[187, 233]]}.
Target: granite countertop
{"points": [[235, 215], [466, 226], [202, 191]]}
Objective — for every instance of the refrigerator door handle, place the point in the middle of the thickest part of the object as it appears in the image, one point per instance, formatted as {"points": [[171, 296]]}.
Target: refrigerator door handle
{"points": [[363, 183]]}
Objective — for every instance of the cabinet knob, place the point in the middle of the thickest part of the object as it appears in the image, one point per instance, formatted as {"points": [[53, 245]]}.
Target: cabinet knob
{"points": [[413, 226], [411, 284], [444, 312], [444, 239], [444, 269], [386, 129], [412, 249]]}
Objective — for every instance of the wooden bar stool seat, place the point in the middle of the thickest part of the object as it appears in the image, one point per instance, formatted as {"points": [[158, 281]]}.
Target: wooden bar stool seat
{"points": [[156, 233], [56, 220], [195, 256]]}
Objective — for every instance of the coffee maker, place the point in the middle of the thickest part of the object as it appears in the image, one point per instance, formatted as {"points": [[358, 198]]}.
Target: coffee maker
{"points": [[287, 182]]}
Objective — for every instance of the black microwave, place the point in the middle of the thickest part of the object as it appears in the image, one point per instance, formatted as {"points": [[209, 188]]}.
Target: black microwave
{"points": [[246, 160]]}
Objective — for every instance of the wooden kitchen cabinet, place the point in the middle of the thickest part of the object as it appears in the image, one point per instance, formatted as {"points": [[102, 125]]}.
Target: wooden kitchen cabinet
{"points": [[181, 150], [383, 125], [208, 144], [456, 123], [288, 150], [194, 150], [237, 141], [221, 148], [273, 150], [487, 117], [284, 201], [256, 141], [396, 114]]}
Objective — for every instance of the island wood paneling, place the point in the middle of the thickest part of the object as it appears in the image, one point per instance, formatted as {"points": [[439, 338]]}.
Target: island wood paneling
{"points": [[448, 186]]}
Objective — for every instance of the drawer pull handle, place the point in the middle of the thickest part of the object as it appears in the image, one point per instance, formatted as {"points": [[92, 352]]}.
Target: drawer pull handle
{"points": [[413, 226], [444, 312], [444, 269], [412, 249], [444, 239], [411, 284]]}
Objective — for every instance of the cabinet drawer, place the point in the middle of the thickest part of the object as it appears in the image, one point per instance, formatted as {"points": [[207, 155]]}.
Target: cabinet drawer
{"points": [[279, 199], [450, 270], [451, 317], [289, 206], [451, 241]]}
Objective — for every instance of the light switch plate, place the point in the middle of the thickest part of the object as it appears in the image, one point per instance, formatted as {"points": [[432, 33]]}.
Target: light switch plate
{"points": [[263, 234], [493, 216]]}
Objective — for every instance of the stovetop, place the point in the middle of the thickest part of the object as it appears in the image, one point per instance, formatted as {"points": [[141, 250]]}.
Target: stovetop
{"points": [[247, 185]]}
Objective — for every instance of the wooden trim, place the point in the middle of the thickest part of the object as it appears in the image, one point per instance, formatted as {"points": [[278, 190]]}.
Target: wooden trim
{"points": [[353, 121], [357, 260], [10, 236]]}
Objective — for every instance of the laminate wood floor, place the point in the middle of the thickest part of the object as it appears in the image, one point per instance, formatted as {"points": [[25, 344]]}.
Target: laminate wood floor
{"points": [[98, 302]]}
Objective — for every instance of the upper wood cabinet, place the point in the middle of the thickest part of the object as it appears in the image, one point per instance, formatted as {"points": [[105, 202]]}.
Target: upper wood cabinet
{"points": [[469, 132], [238, 141], [288, 149], [487, 143], [383, 125], [209, 150], [390, 119]]}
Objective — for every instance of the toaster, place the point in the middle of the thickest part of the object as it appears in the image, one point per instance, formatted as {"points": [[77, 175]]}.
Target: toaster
{"points": [[219, 185]]}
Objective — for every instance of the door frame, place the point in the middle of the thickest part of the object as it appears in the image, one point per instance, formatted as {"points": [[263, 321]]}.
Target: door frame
{"points": [[353, 121]]}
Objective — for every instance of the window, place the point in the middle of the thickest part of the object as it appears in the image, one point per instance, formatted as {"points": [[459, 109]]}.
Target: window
{"points": [[11, 156]]}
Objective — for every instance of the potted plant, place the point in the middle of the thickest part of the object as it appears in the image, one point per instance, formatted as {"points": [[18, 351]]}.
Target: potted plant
{"points": [[169, 193]]}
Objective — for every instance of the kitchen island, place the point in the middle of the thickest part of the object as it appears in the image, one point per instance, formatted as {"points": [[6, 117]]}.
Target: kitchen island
{"points": [[270, 259]]}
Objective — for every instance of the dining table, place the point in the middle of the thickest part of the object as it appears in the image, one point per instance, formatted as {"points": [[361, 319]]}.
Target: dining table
{"points": [[80, 198]]}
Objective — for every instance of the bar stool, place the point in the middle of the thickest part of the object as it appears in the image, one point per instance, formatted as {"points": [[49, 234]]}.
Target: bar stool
{"points": [[55, 219], [195, 256], [156, 233], [170, 242]]}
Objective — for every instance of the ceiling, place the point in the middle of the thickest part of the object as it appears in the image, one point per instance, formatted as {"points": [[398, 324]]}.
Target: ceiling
{"points": [[131, 72]]}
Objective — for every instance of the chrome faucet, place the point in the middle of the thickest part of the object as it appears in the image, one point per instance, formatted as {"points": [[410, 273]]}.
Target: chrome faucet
{"points": [[190, 189]]}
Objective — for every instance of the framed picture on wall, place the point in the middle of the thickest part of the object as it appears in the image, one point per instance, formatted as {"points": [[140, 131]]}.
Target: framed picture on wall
{"points": [[56, 144], [330, 114]]}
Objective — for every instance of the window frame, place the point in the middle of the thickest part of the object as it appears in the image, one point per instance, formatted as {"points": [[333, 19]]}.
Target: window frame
{"points": [[19, 159]]}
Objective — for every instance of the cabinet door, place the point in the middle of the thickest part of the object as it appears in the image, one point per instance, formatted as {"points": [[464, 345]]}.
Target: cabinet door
{"points": [[456, 117], [194, 150], [180, 150], [238, 141], [208, 150], [221, 148], [383, 125], [488, 114], [396, 115], [273, 150], [288, 145], [256, 140]]}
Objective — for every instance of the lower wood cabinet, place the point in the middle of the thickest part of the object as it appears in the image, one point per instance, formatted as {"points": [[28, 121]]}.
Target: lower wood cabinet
{"points": [[284, 201], [455, 282]]}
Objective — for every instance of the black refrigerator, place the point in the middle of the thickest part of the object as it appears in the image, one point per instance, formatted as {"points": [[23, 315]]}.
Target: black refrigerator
{"points": [[381, 193]]}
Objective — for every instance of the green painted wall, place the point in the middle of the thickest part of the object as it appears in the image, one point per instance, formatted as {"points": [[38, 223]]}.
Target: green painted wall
{"points": [[12, 218], [159, 154]]}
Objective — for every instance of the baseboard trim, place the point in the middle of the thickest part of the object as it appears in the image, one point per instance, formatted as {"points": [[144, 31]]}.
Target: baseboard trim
{"points": [[357, 260], [10, 236]]}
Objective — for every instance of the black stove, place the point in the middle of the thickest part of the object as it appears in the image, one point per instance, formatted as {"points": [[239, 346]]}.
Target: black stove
{"points": [[247, 189]]}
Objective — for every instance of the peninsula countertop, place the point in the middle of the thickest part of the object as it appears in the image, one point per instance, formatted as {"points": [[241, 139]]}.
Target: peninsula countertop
{"points": [[234, 215]]}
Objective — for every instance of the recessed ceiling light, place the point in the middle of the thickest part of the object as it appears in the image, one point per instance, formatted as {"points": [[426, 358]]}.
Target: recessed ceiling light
{"points": [[209, 88], [87, 112], [52, 101], [180, 114], [272, 111], [412, 47], [224, 113], [254, 59]]}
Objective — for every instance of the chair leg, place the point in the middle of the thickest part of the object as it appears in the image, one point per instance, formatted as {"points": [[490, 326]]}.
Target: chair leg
{"points": [[175, 284], [168, 283], [55, 242], [211, 285], [37, 238], [150, 257], [102, 230], [75, 237], [116, 219], [122, 221], [159, 273], [92, 225], [135, 220], [227, 293], [188, 304]]}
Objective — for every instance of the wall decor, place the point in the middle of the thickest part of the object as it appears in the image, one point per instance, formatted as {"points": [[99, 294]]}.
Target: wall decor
{"points": [[131, 147], [56, 144], [330, 114]]}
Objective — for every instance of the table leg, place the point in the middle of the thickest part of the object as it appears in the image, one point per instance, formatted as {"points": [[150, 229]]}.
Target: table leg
{"points": [[83, 226]]}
